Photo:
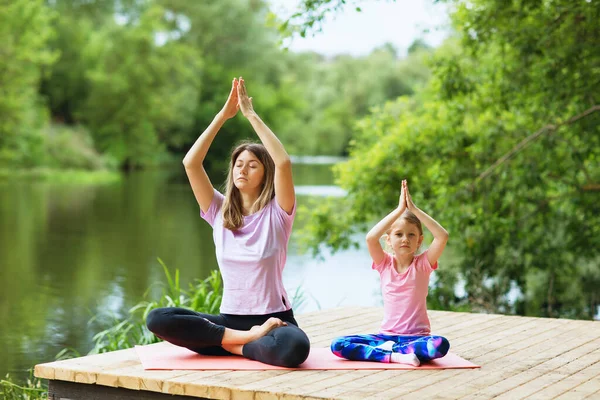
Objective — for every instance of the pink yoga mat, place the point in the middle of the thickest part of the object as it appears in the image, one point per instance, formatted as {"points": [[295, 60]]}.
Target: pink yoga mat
{"points": [[167, 356]]}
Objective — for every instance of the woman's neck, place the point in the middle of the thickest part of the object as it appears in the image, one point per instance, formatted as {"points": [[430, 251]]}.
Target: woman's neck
{"points": [[248, 200]]}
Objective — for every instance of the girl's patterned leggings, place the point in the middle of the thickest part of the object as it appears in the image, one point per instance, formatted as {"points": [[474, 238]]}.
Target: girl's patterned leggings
{"points": [[364, 347]]}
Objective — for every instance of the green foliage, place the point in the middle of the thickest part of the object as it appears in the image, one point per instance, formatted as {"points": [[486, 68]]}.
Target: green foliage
{"points": [[139, 89], [324, 124], [202, 295], [73, 148], [24, 31], [502, 148], [32, 389]]}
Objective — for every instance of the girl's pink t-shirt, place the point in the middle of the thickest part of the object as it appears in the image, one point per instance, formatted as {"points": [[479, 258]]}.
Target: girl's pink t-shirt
{"points": [[252, 258], [405, 296]]}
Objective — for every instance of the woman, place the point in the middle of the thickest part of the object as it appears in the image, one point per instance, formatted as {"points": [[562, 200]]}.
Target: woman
{"points": [[251, 224]]}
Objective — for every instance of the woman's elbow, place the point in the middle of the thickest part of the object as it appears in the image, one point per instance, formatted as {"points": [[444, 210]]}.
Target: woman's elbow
{"points": [[188, 164], [284, 162]]}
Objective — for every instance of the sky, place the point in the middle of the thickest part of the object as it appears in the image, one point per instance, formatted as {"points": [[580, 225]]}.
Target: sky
{"points": [[357, 33]]}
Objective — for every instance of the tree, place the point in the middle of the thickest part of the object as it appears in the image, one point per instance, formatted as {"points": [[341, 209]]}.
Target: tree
{"points": [[502, 146], [24, 32]]}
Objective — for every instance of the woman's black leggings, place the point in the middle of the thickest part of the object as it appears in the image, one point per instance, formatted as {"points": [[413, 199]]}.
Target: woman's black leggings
{"points": [[286, 346]]}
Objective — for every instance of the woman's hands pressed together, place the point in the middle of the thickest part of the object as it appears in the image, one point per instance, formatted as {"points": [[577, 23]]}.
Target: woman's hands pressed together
{"points": [[244, 102], [231, 106]]}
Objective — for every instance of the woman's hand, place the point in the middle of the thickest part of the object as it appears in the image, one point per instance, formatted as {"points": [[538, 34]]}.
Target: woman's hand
{"points": [[409, 203], [231, 106], [244, 102]]}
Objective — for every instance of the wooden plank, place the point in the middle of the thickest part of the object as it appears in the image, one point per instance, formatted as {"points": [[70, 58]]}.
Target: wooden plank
{"points": [[336, 315], [177, 384], [557, 387], [387, 380], [298, 377], [229, 385], [84, 364], [371, 380], [587, 390], [316, 382]]}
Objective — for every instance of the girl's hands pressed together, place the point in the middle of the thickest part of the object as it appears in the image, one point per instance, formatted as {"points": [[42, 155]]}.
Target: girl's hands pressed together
{"points": [[231, 106], [402, 200], [244, 102], [409, 202]]}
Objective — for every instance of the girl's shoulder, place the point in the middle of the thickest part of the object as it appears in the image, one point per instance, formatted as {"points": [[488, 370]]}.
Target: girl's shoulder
{"points": [[386, 263], [422, 263]]}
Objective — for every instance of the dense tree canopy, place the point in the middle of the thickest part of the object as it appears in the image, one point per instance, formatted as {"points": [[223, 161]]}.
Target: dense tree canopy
{"points": [[137, 80]]}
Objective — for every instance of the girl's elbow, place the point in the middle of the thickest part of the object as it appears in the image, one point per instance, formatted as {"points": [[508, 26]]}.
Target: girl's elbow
{"points": [[370, 238], [444, 235]]}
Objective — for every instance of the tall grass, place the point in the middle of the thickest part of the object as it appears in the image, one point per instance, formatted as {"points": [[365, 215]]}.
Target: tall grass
{"points": [[32, 389], [201, 295]]}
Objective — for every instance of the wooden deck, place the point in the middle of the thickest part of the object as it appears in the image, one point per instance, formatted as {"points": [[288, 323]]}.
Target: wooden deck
{"points": [[521, 357]]}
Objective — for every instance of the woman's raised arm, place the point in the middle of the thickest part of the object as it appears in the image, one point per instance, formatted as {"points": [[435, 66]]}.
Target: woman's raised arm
{"points": [[194, 159]]}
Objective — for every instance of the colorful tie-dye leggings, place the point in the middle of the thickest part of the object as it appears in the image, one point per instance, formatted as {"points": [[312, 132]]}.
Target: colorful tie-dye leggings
{"points": [[363, 347]]}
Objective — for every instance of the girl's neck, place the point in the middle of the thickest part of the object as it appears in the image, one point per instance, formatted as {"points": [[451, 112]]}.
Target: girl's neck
{"points": [[404, 261]]}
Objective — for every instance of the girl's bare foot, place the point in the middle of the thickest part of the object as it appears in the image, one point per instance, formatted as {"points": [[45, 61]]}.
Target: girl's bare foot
{"points": [[259, 331]]}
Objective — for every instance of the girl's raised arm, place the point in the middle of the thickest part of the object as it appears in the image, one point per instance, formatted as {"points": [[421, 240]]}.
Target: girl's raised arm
{"points": [[440, 235], [284, 184], [373, 244], [193, 160]]}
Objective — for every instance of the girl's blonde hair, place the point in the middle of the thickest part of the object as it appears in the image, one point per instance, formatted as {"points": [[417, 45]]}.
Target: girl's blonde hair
{"points": [[233, 216], [411, 218]]}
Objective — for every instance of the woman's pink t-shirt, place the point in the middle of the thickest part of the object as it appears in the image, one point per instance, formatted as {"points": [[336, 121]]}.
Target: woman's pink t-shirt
{"points": [[404, 296], [252, 258]]}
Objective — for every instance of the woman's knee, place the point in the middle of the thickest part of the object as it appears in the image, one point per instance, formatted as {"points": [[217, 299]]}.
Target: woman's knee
{"points": [[157, 319], [294, 348]]}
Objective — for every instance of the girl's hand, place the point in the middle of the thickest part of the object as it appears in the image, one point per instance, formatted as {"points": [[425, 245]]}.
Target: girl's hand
{"points": [[244, 102], [402, 200], [409, 203], [231, 106]]}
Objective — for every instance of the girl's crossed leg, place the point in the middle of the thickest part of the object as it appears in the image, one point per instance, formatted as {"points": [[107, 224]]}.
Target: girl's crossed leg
{"points": [[390, 348]]}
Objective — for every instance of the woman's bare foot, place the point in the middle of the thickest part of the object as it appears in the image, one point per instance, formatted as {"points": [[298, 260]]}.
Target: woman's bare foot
{"points": [[233, 340], [259, 331]]}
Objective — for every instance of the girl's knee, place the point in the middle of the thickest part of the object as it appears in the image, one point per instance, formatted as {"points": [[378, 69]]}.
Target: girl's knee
{"points": [[337, 344], [443, 346]]}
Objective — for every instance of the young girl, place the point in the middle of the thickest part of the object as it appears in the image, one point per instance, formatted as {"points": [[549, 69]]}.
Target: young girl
{"points": [[251, 224], [404, 336]]}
